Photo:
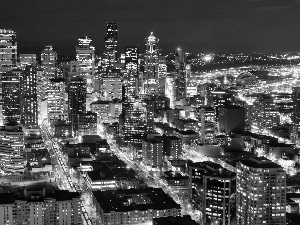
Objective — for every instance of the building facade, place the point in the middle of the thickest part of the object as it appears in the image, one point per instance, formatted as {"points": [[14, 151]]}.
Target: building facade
{"points": [[261, 192]]}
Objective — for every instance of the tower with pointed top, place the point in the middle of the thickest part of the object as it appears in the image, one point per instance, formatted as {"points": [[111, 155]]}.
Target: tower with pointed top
{"points": [[150, 79]]}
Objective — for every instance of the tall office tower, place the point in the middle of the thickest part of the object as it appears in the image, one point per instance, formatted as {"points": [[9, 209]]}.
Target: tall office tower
{"points": [[261, 194], [170, 89], [56, 100], [112, 86], [42, 85], [134, 123], [11, 148], [132, 71], [29, 109], [231, 119], [85, 55], [207, 123], [27, 60], [8, 50], [49, 62], [11, 92], [296, 115], [39, 207], [162, 74], [150, 108], [265, 112], [153, 153], [86, 123], [210, 191], [110, 47], [76, 99], [150, 79], [180, 75]]}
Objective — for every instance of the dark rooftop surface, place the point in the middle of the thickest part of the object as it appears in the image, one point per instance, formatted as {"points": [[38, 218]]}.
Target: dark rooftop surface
{"points": [[231, 107], [101, 102], [7, 198], [59, 195], [113, 200], [184, 220], [260, 162]]}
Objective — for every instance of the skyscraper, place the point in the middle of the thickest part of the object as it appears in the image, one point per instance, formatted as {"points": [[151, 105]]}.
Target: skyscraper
{"points": [[112, 86], [11, 148], [162, 74], [132, 70], [150, 79], [296, 115], [110, 46], [8, 50], [85, 55], [76, 99], [29, 109], [231, 119], [261, 192], [11, 92], [56, 99], [134, 122], [180, 80], [49, 62], [27, 59]]}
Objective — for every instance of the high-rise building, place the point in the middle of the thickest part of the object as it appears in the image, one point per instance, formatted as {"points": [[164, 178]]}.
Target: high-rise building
{"points": [[85, 55], [49, 62], [86, 123], [265, 112], [132, 71], [210, 190], [134, 122], [261, 192], [180, 78], [231, 119], [110, 47], [11, 93], [153, 152], [150, 79], [207, 123], [8, 50], [76, 98], [170, 89], [27, 59], [29, 108], [149, 103], [42, 85], [296, 115], [172, 147], [12, 148], [162, 74], [56, 100], [37, 207], [112, 86]]}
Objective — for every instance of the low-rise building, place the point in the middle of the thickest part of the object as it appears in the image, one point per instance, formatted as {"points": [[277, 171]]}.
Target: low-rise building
{"points": [[36, 207], [134, 206]]}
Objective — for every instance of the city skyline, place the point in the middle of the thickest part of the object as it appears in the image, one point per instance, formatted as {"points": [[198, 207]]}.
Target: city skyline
{"points": [[201, 26]]}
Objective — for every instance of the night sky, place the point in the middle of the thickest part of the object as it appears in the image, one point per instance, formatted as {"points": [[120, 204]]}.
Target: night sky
{"points": [[195, 25]]}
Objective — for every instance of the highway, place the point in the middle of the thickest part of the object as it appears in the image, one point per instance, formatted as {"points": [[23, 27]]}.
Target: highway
{"points": [[54, 149]]}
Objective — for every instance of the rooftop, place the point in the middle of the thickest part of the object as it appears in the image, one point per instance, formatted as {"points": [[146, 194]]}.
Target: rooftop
{"points": [[260, 162], [177, 220], [114, 200]]}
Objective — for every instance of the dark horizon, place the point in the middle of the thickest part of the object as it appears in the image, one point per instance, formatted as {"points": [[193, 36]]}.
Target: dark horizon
{"points": [[196, 25]]}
